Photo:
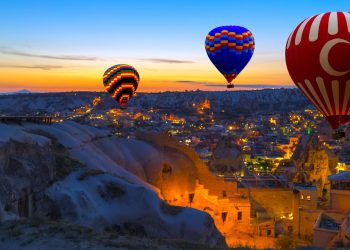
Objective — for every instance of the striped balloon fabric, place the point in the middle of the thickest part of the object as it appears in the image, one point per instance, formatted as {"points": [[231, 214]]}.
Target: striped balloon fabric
{"points": [[230, 48], [318, 61], [121, 81]]}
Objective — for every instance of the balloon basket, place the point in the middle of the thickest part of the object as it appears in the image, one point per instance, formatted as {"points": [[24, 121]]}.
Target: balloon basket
{"points": [[230, 86], [338, 134]]}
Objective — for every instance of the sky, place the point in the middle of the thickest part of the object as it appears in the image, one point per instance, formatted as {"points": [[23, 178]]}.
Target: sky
{"points": [[66, 45]]}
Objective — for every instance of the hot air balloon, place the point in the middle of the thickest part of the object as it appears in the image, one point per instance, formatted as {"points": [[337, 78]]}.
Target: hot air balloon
{"points": [[230, 48], [121, 81], [318, 61]]}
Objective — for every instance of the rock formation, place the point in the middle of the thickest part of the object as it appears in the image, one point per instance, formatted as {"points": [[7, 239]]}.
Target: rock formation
{"points": [[227, 157], [314, 162], [27, 166], [86, 176]]}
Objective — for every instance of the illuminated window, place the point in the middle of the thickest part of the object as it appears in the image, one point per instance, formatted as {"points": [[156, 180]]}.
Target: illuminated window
{"points": [[308, 197], [239, 215], [302, 197]]}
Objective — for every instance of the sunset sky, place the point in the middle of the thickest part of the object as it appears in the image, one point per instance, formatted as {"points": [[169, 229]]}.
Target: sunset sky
{"points": [[66, 45]]}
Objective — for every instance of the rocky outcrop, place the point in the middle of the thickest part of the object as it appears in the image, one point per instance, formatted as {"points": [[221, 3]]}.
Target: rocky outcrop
{"points": [[102, 201], [287, 169], [27, 166], [39, 234], [227, 157], [314, 162], [229, 209], [85, 176]]}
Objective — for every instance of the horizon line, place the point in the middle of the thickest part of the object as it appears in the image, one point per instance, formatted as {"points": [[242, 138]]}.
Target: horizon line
{"points": [[237, 88]]}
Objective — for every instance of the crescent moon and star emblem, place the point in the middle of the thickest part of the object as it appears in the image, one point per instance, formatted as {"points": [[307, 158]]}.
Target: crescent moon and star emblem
{"points": [[324, 61]]}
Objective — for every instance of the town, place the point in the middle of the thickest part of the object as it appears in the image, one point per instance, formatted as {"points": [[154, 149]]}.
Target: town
{"points": [[262, 176], [272, 172]]}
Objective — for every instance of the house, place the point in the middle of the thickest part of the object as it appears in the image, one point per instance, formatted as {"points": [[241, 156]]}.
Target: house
{"points": [[340, 191]]}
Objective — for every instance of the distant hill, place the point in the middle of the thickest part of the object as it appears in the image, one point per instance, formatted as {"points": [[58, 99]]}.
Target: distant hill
{"points": [[232, 102], [22, 91], [235, 102]]}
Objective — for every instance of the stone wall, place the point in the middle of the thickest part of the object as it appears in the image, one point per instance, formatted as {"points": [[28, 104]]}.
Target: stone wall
{"points": [[270, 203], [340, 200], [306, 223]]}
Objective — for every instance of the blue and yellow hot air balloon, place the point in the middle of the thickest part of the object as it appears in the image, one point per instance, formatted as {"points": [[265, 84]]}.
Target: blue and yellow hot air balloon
{"points": [[121, 81], [230, 48]]}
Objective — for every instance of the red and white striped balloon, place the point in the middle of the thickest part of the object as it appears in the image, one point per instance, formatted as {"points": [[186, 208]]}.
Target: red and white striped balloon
{"points": [[318, 61]]}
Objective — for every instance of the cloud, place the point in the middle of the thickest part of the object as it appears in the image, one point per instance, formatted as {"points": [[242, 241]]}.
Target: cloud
{"points": [[56, 57], [43, 67], [252, 86], [248, 86], [163, 60], [191, 82]]}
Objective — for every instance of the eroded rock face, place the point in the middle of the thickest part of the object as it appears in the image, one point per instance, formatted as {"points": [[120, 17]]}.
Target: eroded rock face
{"points": [[315, 161], [165, 167], [287, 169], [27, 165], [227, 157], [105, 201], [111, 187]]}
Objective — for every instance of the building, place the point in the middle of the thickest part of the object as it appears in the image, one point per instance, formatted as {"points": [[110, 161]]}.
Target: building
{"points": [[305, 211], [327, 230], [340, 191]]}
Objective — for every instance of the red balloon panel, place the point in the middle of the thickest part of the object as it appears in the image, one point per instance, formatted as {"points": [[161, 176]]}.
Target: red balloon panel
{"points": [[318, 61]]}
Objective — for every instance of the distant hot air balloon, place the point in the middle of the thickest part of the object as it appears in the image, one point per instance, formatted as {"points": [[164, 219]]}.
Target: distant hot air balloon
{"points": [[230, 48], [318, 61], [121, 81]]}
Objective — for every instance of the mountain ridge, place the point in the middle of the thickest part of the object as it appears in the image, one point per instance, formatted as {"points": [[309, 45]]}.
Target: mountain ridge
{"points": [[236, 102]]}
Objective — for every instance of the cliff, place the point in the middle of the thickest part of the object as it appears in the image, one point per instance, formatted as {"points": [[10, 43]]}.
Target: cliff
{"points": [[314, 162], [87, 177]]}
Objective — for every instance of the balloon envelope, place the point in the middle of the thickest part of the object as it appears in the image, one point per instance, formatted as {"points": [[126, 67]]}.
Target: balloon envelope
{"points": [[318, 61], [121, 81], [230, 48]]}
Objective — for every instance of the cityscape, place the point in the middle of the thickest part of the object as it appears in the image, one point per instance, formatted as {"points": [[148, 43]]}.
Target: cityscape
{"points": [[270, 173], [174, 125]]}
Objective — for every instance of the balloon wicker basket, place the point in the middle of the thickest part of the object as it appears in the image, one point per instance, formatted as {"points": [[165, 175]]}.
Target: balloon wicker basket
{"points": [[338, 134], [230, 86]]}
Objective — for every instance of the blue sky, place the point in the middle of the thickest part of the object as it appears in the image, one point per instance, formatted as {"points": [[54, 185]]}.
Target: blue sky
{"points": [[109, 32]]}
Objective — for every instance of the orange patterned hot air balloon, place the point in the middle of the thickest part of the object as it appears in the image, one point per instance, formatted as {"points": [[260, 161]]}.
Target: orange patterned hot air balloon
{"points": [[121, 81]]}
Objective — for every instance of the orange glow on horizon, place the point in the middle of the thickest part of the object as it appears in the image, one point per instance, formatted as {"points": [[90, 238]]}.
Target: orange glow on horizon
{"points": [[153, 77]]}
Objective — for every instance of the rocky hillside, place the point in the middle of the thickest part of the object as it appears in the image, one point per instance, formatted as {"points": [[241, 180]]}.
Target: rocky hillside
{"points": [[235, 102], [84, 176], [39, 234]]}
